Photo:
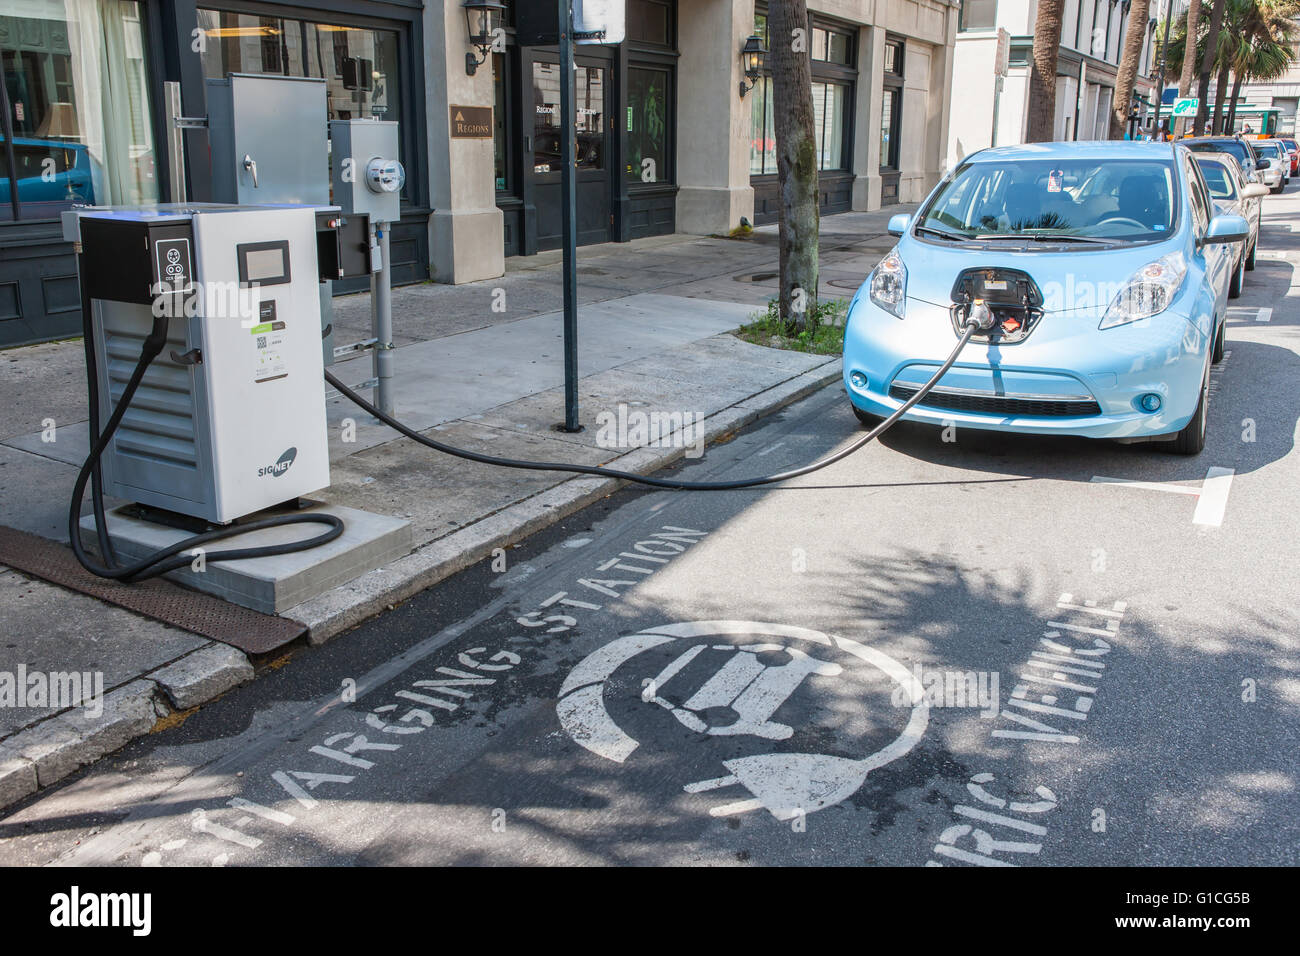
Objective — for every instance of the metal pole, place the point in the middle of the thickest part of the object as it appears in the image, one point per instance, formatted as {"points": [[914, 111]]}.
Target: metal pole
{"points": [[381, 287], [568, 122]]}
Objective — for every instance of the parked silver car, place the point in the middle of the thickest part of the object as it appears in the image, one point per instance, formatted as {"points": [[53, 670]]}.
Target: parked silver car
{"points": [[1278, 174], [1234, 196]]}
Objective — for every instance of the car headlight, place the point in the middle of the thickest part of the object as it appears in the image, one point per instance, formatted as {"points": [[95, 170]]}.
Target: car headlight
{"points": [[889, 284], [1148, 292]]}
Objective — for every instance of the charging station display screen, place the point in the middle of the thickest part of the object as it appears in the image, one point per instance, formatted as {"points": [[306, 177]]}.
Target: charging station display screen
{"points": [[265, 263]]}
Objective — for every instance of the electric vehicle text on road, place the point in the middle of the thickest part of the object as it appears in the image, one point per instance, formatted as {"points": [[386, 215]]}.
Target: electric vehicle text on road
{"points": [[1098, 273]]}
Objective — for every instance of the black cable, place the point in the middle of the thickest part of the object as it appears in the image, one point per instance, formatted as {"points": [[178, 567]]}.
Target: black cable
{"points": [[170, 558], [969, 329]]}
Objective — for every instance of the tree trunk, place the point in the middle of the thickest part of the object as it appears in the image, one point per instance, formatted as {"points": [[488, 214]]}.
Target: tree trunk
{"points": [[1128, 67], [1042, 76], [796, 159], [1189, 59], [1237, 80], [1220, 95], [1207, 65]]}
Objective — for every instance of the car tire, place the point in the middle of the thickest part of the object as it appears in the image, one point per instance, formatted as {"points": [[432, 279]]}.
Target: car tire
{"points": [[1237, 280], [1276, 190], [1191, 440], [1250, 257], [866, 418], [1220, 343]]}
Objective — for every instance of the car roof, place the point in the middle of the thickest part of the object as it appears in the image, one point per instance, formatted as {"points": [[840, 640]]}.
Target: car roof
{"points": [[1074, 150]]}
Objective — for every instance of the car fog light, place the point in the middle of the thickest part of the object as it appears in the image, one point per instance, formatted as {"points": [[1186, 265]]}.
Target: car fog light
{"points": [[1151, 402], [858, 379]]}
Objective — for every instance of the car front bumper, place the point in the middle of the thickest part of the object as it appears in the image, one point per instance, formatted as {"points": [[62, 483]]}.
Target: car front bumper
{"points": [[1066, 378]]}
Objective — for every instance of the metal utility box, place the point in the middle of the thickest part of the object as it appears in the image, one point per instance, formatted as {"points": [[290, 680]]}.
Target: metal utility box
{"points": [[267, 135], [364, 170], [230, 418]]}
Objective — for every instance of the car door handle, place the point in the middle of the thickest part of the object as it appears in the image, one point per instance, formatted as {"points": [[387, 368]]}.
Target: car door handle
{"points": [[251, 165]]}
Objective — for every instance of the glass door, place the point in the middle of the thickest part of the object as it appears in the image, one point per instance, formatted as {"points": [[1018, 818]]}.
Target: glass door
{"points": [[593, 149]]}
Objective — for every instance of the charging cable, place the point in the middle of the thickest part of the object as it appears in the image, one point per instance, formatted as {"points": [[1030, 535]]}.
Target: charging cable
{"points": [[969, 328]]}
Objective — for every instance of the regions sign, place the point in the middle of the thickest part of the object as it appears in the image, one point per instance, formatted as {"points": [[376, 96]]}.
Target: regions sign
{"points": [[471, 122]]}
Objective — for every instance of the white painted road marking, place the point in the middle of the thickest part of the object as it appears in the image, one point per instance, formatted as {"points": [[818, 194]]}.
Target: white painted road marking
{"points": [[1212, 496]]}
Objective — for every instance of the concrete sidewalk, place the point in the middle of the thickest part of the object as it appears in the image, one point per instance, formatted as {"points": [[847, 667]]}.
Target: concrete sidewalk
{"points": [[479, 366]]}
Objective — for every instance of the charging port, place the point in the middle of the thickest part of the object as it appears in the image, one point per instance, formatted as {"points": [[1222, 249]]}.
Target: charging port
{"points": [[1006, 303]]}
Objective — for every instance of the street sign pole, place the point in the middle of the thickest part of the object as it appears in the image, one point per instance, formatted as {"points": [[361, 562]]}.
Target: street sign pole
{"points": [[568, 122]]}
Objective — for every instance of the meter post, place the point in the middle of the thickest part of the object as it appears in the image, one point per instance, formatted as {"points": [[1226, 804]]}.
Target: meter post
{"points": [[568, 121]]}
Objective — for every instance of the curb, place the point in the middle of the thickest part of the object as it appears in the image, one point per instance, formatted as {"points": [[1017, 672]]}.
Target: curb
{"points": [[344, 607], [44, 753]]}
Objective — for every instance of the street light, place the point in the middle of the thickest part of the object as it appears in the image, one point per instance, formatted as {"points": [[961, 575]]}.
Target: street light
{"points": [[751, 58], [482, 19]]}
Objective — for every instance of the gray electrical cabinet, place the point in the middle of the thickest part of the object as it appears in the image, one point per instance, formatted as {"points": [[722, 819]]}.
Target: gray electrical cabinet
{"points": [[268, 140]]}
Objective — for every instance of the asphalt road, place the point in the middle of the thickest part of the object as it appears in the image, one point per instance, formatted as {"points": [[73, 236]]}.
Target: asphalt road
{"points": [[933, 653]]}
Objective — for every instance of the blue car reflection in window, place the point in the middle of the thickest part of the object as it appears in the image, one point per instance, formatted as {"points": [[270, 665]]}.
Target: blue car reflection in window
{"points": [[52, 175]]}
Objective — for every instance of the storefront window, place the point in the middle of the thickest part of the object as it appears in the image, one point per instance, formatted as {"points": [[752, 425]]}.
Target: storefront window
{"points": [[500, 147], [77, 126], [358, 64], [888, 129], [649, 159], [762, 145], [589, 91], [829, 102]]}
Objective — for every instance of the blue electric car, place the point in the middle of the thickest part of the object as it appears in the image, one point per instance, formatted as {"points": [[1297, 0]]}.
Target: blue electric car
{"points": [[1106, 270]]}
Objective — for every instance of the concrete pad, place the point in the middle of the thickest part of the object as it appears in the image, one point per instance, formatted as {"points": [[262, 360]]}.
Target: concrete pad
{"points": [[203, 675], [49, 629], [271, 584]]}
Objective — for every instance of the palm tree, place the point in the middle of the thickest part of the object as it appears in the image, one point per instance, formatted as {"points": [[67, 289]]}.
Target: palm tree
{"points": [[1042, 74], [1128, 67], [1264, 45], [1189, 57], [1207, 65]]}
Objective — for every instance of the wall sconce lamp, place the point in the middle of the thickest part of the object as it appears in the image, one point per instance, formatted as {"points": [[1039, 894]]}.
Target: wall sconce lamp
{"points": [[482, 19], [751, 60]]}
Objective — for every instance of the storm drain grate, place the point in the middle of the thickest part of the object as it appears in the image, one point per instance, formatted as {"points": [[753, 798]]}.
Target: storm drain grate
{"points": [[250, 631]]}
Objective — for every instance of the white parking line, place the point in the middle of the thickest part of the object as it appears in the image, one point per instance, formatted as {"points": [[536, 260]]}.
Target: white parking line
{"points": [[1264, 314], [1212, 496]]}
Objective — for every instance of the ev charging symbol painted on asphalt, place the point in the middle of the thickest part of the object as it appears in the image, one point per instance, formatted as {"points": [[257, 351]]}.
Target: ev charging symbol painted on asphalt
{"points": [[742, 698]]}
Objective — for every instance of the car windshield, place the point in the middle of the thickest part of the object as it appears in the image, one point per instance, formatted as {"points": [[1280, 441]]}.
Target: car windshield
{"points": [[1111, 200], [1230, 146], [1218, 179]]}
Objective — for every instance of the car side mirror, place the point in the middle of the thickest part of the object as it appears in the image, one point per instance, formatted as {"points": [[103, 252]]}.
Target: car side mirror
{"points": [[1261, 164], [1226, 228], [898, 224], [1254, 191]]}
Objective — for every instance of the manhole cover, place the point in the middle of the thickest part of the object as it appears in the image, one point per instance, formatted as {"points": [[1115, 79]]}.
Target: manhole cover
{"points": [[844, 283], [756, 277]]}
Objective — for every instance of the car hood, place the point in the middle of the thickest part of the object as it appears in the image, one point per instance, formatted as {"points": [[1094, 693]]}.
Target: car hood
{"points": [[1071, 278]]}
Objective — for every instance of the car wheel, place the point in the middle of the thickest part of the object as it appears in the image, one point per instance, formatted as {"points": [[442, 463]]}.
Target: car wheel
{"points": [[866, 418], [1191, 440], [1250, 257], [1238, 277], [1220, 343], [1276, 190]]}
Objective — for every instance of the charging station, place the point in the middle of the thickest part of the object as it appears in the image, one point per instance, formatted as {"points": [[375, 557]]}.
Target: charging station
{"points": [[230, 418]]}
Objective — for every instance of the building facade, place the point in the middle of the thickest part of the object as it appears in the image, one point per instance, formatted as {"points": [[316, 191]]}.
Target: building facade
{"points": [[666, 142], [1282, 95], [994, 50]]}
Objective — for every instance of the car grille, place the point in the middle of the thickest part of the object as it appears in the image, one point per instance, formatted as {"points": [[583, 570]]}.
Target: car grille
{"points": [[998, 404]]}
